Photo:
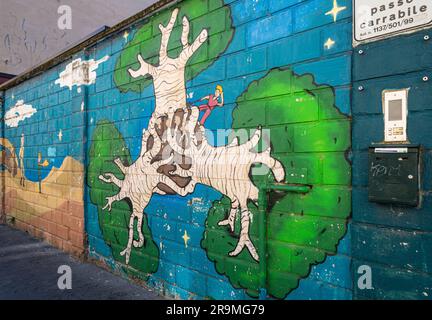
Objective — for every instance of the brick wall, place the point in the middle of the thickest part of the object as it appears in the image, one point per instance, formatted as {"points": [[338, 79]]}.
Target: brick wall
{"points": [[284, 66], [46, 200], [393, 240]]}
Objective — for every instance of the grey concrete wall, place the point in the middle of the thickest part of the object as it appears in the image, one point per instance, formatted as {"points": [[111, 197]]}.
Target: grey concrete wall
{"points": [[29, 33]]}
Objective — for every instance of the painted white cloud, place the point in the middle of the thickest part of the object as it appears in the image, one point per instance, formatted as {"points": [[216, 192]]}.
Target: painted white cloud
{"points": [[18, 113], [79, 72]]}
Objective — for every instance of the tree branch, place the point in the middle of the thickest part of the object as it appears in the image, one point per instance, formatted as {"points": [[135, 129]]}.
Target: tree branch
{"points": [[166, 33], [189, 50], [145, 69], [185, 33], [120, 165], [111, 179]]}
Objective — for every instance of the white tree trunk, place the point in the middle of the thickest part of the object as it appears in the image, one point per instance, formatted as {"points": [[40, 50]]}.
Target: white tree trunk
{"points": [[226, 169]]}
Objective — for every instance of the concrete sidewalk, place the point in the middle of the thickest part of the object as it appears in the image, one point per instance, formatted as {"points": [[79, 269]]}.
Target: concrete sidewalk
{"points": [[28, 270]]}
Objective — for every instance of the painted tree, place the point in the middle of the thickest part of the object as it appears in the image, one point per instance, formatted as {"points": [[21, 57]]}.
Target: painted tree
{"points": [[162, 165], [310, 137], [175, 156], [226, 169], [110, 155], [216, 26]]}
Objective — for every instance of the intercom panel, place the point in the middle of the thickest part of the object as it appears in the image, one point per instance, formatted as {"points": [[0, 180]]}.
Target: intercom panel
{"points": [[395, 108]]}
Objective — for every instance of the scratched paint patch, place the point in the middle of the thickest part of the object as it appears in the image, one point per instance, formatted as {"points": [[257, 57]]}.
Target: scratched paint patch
{"points": [[52, 152], [18, 113], [79, 72]]}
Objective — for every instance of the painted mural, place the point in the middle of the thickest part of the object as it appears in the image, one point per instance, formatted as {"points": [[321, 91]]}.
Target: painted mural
{"points": [[185, 116], [302, 229], [52, 207], [148, 152], [43, 174], [176, 156]]}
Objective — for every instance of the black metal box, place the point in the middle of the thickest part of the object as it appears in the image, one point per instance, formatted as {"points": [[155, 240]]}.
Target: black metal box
{"points": [[394, 174]]}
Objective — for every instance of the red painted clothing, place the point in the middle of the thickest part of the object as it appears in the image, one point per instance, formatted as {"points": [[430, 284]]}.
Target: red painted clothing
{"points": [[208, 108]]}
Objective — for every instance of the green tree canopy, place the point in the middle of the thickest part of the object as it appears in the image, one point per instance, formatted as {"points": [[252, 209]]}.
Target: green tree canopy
{"points": [[202, 14], [107, 145], [310, 137]]}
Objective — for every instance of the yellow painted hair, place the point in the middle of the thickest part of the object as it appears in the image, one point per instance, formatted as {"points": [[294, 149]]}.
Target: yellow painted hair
{"points": [[219, 87]]}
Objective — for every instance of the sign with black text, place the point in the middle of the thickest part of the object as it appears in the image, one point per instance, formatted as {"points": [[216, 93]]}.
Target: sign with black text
{"points": [[376, 19]]}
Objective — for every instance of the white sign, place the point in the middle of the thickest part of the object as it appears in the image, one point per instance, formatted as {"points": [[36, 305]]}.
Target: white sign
{"points": [[391, 150], [376, 19]]}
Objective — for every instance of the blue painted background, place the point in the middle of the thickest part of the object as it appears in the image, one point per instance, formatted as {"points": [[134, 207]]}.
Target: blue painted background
{"points": [[268, 34]]}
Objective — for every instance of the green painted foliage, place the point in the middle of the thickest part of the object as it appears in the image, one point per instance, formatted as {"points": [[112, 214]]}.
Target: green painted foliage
{"points": [[147, 39], [108, 144], [310, 137]]}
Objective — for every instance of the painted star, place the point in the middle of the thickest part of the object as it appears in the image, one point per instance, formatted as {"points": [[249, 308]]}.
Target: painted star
{"points": [[329, 43], [186, 238], [335, 10], [60, 135]]}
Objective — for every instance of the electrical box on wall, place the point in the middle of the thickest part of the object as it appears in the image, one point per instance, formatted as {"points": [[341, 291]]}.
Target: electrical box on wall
{"points": [[394, 174]]}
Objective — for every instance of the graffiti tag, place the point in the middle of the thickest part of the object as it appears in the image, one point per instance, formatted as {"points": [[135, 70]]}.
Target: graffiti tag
{"points": [[379, 170]]}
